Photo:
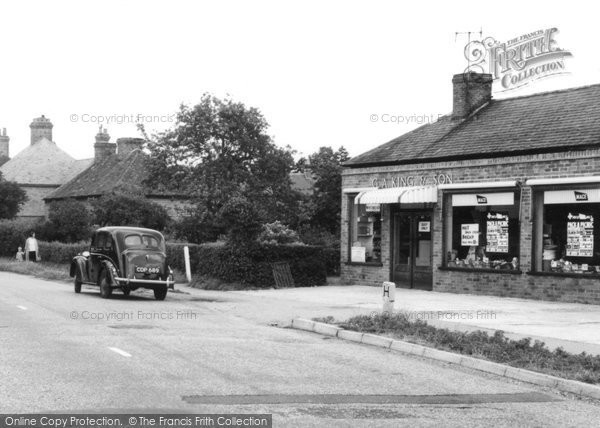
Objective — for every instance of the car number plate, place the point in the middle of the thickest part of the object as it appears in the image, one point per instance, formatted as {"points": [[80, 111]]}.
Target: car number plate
{"points": [[147, 269]]}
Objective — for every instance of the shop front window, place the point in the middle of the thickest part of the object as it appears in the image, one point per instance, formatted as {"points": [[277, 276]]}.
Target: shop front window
{"points": [[365, 232], [483, 231], [570, 232]]}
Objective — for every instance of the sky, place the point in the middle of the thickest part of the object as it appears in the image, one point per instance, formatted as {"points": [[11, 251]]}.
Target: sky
{"points": [[323, 73]]}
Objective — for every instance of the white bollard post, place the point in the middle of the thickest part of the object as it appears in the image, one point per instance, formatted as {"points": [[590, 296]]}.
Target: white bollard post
{"points": [[188, 270], [389, 296]]}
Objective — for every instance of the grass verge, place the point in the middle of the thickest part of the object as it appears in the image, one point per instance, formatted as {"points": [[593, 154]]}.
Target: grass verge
{"points": [[497, 348], [44, 270], [53, 271]]}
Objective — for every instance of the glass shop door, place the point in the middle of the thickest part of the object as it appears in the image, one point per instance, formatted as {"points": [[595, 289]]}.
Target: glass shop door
{"points": [[412, 250]]}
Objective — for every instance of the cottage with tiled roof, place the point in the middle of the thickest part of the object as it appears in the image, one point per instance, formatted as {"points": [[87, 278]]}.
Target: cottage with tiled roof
{"points": [[40, 168], [498, 197], [120, 166]]}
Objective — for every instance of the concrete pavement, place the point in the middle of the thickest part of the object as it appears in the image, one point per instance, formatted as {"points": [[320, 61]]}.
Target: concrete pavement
{"points": [[206, 352], [572, 326]]}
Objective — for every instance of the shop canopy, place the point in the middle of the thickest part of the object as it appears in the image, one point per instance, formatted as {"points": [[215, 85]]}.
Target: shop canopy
{"points": [[398, 195]]}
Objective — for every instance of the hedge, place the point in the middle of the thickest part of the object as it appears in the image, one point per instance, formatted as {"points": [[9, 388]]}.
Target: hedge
{"points": [[332, 260], [253, 266], [308, 264], [175, 255], [59, 252]]}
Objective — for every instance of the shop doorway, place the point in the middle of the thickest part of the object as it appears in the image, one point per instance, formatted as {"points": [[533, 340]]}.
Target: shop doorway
{"points": [[412, 250]]}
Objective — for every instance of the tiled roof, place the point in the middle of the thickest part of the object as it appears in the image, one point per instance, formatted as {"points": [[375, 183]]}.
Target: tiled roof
{"points": [[545, 122], [42, 163], [303, 183], [108, 174]]}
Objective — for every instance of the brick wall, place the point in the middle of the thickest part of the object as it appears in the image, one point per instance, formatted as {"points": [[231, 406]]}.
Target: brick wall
{"points": [[35, 206], [176, 208], [552, 165]]}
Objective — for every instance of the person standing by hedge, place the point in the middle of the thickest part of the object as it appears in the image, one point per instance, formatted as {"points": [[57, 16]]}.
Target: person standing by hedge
{"points": [[31, 248]]}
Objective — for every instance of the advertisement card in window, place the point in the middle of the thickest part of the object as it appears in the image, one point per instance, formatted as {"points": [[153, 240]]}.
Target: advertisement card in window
{"points": [[497, 233], [469, 234]]}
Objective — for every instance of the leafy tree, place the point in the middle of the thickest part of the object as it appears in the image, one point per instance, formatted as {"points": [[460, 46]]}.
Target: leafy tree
{"points": [[128, 209], [12, 198], [219, 152], [326, 167], [242, 218], [68, 221]]}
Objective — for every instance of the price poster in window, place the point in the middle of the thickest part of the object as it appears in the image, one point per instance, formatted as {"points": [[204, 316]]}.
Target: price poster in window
{"points": [[580, 235], [469, 234], [497, 233]]}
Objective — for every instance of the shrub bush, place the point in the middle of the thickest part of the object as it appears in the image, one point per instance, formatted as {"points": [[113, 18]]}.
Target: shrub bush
{"points": [[128, 209], [312, 235], [68, 221], [13, 234], [277, 233]]}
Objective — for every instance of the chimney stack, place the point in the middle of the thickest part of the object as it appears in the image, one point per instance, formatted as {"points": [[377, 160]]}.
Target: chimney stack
{"points": [[41, 127], [128, 145], [103, 148], [4, 139], [471, 91]]}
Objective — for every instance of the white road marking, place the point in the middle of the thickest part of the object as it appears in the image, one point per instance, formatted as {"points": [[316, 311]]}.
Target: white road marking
{"points": [[22, 307], [120, 351]]}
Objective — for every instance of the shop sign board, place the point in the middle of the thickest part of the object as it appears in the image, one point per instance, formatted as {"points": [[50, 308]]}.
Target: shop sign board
{"points": [[483, 199], [579, 196], [411, 180]]}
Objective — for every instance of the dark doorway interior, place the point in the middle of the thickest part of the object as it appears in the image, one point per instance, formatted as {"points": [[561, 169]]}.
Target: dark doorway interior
{"points": [[412, 249]]}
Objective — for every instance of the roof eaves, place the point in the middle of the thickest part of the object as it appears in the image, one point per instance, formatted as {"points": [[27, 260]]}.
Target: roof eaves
{"points": [[471, 156]]}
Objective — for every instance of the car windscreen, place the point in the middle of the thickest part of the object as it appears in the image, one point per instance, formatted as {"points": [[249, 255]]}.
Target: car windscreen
{"points": [[143, 241]]}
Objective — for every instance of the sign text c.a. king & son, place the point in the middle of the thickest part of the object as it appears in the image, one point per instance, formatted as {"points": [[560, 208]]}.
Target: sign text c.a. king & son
{"points": [[411, 180]]}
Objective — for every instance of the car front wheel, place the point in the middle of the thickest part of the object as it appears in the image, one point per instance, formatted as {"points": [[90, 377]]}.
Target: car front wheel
{"points": [[105, 285], [77, 281], [160, 293]]}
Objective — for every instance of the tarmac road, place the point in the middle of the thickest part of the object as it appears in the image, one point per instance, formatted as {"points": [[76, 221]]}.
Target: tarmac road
{"points": [[210, 352]]}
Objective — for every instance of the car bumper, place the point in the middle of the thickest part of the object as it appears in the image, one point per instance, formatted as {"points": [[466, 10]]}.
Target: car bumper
{"points": [[147, 282]]}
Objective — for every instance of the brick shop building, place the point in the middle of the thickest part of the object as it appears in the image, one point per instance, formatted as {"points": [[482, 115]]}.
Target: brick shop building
{"points": [[500, 197]]}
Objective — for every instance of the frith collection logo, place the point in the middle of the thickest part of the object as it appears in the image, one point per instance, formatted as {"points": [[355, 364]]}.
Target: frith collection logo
{"points": [[518, 61], [481, 199], [580, 196]]}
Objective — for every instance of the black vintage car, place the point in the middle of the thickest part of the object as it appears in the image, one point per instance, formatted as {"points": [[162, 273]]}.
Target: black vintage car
{"points": [[126, 258]]}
